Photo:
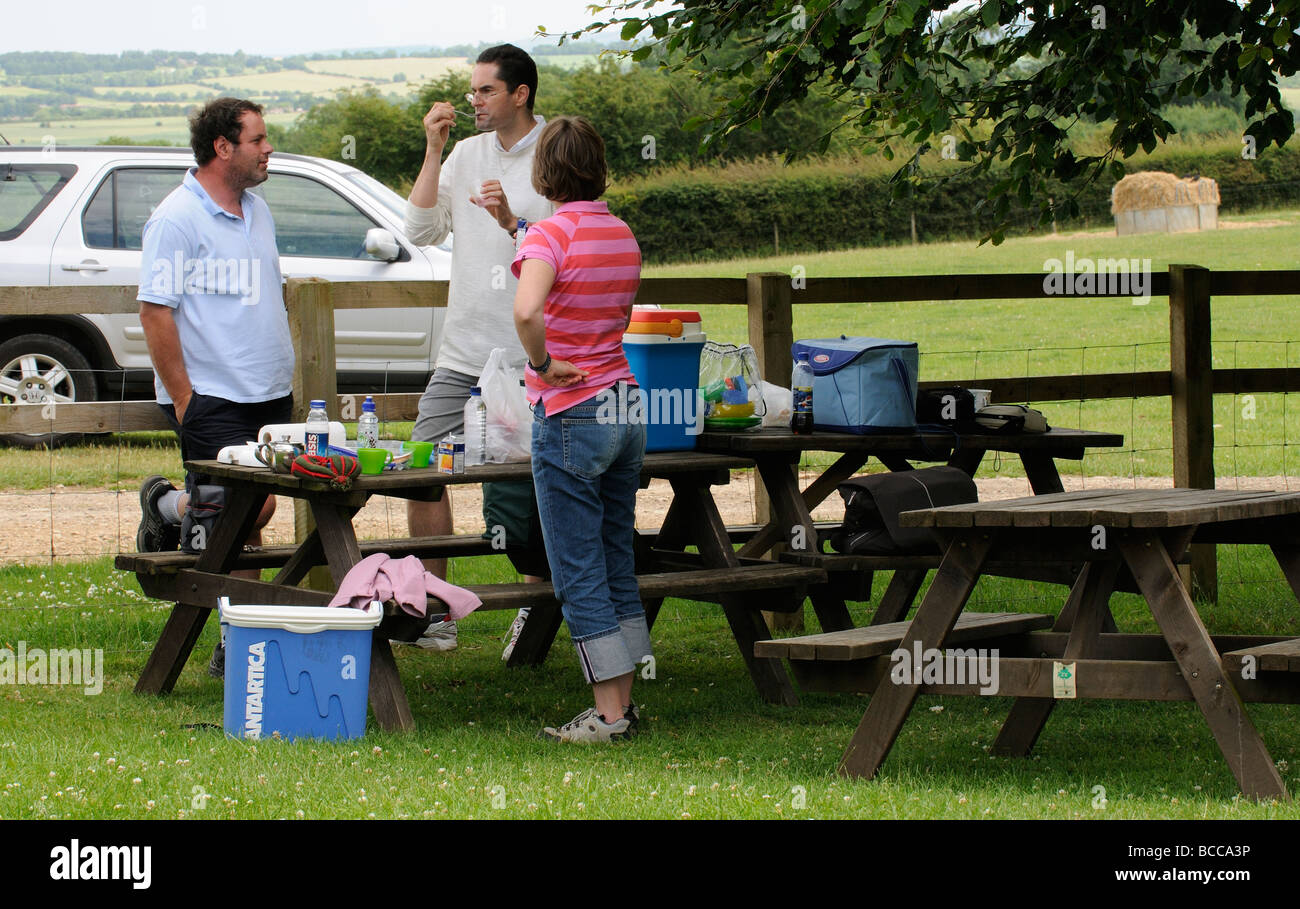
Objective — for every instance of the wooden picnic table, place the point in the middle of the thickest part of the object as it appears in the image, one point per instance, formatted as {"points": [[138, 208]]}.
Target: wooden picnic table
{"points": [[776, 450], [1115, 532], [194, 582]]}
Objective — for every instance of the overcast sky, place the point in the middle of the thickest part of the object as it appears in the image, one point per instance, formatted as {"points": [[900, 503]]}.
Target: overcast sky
{"points": [[275, 27]]}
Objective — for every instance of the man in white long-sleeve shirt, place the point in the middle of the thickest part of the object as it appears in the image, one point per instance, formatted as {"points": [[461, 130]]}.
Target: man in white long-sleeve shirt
{"points": [[480, 192]]}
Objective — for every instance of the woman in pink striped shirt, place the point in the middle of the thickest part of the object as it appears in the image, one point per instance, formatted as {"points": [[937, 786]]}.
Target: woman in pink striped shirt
{"points": [[578, 273]]}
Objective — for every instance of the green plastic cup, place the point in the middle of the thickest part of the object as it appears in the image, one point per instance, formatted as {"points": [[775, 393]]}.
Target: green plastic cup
{"points": [[421, 452], [373, 459]]}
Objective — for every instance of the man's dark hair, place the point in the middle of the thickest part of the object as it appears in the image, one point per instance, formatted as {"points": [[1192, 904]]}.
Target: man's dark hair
{"points": [[514, 68], [569, 164], [219, 117]]}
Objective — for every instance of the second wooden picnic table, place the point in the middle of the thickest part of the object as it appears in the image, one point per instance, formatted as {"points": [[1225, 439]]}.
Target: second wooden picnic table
{"points": [[195, 582], [775, 452]]}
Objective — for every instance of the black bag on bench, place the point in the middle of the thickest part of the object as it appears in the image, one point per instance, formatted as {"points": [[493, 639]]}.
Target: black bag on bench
{"points": [[872, 505]]}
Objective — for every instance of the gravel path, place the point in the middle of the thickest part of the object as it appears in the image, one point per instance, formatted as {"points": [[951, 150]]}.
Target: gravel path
{"points": [[85, 524]]}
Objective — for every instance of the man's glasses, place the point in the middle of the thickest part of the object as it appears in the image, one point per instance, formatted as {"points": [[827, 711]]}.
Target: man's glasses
{"points": [[481, 94]]}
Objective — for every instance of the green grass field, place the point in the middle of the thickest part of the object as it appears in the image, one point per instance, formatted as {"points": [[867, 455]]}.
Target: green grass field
{"points": [[711, 747], [173, 130], [416, 69]]}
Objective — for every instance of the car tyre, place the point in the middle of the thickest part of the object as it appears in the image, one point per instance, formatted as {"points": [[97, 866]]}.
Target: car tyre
{"points": [[37, 368]]}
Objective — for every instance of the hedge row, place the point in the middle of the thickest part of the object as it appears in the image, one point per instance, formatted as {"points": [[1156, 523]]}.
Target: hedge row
{"points": [[715, 214]]}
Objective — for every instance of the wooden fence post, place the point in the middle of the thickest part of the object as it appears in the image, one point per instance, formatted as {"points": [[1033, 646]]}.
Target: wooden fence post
{"points": [[771, 332], [1192, 384], [311, 326]]}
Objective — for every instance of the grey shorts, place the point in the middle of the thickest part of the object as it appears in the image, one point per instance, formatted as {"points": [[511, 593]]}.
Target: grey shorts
{"points": [[442, 406]]}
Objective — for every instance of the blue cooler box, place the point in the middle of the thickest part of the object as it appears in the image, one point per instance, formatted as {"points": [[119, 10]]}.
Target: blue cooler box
{"points": [[663, 348], [297, 670]]}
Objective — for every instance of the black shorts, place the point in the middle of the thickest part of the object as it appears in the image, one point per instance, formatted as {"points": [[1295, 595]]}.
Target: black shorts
{"points": [[212, 423]]}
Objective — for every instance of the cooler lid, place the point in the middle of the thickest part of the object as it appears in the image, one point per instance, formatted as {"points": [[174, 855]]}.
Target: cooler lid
{"points": [[828, 355], [664, 315], [301, 619]]}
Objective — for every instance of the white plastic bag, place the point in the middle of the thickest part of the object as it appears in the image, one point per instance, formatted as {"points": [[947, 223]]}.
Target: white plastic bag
{"points": [[779, 402], [509, 419]]}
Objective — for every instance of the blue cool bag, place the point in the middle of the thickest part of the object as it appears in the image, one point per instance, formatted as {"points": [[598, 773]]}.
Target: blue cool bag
{"points": [[862, 385]]}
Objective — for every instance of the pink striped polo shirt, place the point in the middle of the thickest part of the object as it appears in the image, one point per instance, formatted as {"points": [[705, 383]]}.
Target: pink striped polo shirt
{"points": [[597, 266]]}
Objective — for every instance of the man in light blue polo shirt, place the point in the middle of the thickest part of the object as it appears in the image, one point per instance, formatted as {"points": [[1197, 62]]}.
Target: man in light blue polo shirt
{"points": [[213, 315]]}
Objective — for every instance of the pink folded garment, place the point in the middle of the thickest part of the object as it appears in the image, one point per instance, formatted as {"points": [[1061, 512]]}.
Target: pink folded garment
{"points": [[381, 577]]}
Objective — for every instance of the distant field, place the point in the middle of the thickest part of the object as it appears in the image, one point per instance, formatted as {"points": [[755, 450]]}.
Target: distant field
{"points": [[567, 61], [182, 88], [1291, 98], [290, 80], [173, 130], [416, 69], [18, 90]]}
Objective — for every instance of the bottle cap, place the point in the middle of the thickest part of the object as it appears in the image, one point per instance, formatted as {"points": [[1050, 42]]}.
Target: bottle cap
{"points": [[475, 390], [368, 405], [317, 405]]}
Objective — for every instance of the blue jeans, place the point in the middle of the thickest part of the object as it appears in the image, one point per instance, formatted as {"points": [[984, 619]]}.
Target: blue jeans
{"points": [[587, 469]]}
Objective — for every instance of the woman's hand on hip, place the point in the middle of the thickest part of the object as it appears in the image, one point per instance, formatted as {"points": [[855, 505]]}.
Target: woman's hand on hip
{"points": [[562, 374]]}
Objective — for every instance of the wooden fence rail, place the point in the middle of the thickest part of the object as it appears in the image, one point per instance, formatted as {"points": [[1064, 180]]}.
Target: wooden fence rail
{"points": [[1190, 381]]}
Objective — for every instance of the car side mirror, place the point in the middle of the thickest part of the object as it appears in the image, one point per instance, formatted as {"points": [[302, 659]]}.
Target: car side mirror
{"points": [[382, 245]]}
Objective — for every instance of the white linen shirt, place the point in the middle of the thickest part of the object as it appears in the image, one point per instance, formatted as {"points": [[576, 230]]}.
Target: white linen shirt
{"points": [[481, 295], [221, 275]]}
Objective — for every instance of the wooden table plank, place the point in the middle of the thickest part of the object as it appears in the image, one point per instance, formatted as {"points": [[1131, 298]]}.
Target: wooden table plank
{"points": [[874, 640]]}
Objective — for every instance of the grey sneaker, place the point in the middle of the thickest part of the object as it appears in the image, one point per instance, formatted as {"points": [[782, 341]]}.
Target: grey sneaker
{"points": [[155, 534], [512, 636], [588, 727], [217, 665], [438, 636]]}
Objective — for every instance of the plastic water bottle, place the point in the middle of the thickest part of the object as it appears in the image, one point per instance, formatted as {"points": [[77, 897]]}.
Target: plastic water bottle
{"points": [[317, 435], [368, 425], [801, 387], [475, 428]]}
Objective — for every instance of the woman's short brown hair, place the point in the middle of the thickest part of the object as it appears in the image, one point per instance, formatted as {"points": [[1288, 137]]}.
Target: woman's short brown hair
{"points": [[569, 165]]}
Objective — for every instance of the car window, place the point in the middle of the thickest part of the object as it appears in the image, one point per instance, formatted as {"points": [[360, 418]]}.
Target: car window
{"points": [[25, 190], [313, 220], [117, 213]]}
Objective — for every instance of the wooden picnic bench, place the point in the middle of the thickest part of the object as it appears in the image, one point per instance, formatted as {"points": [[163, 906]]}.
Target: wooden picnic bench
{"points": [[849, 578], [1141, 532], [194, 582]]}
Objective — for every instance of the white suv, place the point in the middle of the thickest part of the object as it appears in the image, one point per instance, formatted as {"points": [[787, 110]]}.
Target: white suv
{"points": [[74, 216]]}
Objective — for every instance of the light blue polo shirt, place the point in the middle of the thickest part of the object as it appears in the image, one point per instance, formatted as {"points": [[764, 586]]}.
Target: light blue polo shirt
{"points": [[221, 275]]}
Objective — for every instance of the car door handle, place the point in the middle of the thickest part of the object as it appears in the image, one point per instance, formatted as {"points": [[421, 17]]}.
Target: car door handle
{"points": [[86, 266]]}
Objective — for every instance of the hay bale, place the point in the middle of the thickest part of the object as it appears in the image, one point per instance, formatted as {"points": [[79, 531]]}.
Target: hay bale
{"points": [[1155, 189]]}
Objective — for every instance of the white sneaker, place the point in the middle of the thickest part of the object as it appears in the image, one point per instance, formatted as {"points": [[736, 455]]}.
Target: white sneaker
{"points": [[438, 636], [588, 727], [512, 636]]}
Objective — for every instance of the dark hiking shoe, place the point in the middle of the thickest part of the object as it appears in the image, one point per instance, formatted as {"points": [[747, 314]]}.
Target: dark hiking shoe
{"points": [[155, 534], [217, 665]]}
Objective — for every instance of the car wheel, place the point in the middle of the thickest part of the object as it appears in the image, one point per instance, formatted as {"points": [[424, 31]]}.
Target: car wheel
{"points": [[39, 369]]}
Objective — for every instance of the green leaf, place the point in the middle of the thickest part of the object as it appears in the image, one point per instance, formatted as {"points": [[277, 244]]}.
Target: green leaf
{"points": [[642, 52], [989, 13], [877, 13], [1246, 57], [631, 28]]}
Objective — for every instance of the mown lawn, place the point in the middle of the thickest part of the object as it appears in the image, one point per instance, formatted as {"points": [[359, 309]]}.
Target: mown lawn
{"points": [[711, 748]]}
